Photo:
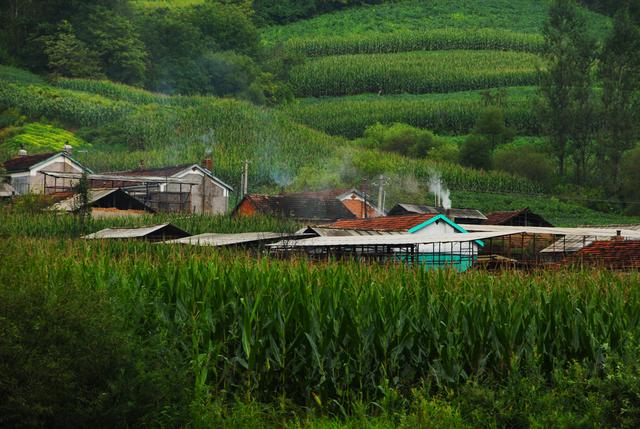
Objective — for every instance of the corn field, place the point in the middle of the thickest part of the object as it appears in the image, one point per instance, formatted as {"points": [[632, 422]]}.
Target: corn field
{"points": [[453, 113], [403, 41], [414, 72], [316, 334]]}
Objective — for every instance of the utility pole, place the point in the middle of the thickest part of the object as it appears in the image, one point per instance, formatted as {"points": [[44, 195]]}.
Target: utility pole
{"points": [[245, 178]]}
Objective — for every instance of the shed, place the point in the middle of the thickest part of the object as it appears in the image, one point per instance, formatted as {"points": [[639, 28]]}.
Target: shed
{"points": [[468, 216], [106, 203], [163, 232], [357, 202], [523, 217], [246, 239], [317, 209]]}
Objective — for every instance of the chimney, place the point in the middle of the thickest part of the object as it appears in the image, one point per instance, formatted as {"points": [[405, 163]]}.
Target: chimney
{"points": [[22, 152], [618, 236], [208, 163], [68, 149], [141, 164]]}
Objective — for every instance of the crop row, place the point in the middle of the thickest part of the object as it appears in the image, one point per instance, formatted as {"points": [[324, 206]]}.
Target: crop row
{"points": [[414, 72], [451, 114], [319, 333], [428, 40]]}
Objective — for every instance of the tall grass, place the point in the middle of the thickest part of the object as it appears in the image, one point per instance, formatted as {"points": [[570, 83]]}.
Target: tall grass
{"points": [[414, 72], [338, 333]]}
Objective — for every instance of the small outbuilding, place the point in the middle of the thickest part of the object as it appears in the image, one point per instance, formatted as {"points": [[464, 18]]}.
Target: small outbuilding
{"points": [[106, 203], [163, 232]]}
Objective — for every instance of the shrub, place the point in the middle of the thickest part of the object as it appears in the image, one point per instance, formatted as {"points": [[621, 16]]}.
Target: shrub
{"points": [[476, 153], [401, 138], [525, 161]]}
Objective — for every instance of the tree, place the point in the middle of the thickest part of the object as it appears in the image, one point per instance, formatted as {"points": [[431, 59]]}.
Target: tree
{"points": [[491, 125], [113, 38], [564, 83], [620, 75], [524, 161], [630, 180], [68, 56], [476, 152], [401, 138]]}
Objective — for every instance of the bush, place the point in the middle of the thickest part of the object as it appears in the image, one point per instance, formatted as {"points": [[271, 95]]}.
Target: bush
{"points": [[525, 161], [630, 176], [476, 153], [401, 138]]}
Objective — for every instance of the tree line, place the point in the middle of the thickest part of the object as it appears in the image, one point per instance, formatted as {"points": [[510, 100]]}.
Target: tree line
{"points": [[590, 104]]}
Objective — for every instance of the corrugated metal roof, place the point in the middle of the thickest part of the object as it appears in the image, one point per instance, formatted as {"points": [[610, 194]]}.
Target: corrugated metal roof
{"points": [[73, 203], [136, 179], [424, 209], [390, 240], [124, 233], [386, 223], [573, 243], [504, 217], [586, 231], [336, 232], [220, 240], [295, 206]]}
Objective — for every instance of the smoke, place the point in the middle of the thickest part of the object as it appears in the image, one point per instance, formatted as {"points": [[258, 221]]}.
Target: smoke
{"points": [[281, 178], [440, 190]]}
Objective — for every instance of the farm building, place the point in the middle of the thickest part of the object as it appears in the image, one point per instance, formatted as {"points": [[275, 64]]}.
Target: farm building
{"points": [[106, 203], [385, 239], [301, 207], [184, 188], [161, 232], [616, 253], [206, 193], [467, 216], [27, 173], [241, 240], [524, 217], [357, 202], [574, 243]]}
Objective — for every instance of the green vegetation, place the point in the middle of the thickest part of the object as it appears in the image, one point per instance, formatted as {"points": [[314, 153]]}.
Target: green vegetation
{"points": [[414, 72], [524, 16], [425, 40], [192, 331], [451, 113], [36, 137]]}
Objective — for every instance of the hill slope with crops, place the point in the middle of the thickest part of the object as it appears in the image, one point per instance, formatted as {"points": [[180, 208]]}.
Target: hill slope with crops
{"points": [[414, 47]]}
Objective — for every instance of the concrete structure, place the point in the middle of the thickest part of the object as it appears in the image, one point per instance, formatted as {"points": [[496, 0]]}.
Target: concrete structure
{"points": [[27, 173], [208, 195]]}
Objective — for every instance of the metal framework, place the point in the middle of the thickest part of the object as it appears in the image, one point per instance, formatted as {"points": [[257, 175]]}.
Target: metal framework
{"points": [[151, 190]]}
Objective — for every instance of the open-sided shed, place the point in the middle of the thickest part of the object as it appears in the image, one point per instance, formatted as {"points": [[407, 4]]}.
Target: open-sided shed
{"points": [[163, 232]]}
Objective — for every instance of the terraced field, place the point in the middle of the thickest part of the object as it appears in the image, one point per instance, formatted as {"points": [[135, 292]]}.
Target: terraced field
{"points": [[420, 48]]}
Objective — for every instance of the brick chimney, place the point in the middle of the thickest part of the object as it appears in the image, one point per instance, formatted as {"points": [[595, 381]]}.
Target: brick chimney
{"points": [[68, 149], [208, 163]]}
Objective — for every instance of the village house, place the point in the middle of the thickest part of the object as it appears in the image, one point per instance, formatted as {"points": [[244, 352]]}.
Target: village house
{"points": [[187, 188], [316, 207], [28, 173], [523, 217]]}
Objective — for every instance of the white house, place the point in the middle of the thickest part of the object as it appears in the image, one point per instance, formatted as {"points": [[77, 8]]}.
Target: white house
{"points": [[27, 173], [210, 195]]}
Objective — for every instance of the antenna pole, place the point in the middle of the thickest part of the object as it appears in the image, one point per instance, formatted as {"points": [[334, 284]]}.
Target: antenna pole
{"points": [[245, 182]]}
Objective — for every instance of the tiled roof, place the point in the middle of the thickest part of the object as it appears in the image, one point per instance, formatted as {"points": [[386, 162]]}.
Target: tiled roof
{"points": [[403, 208], [617, 254], [24, 163], [300, 207], [386, 223]]}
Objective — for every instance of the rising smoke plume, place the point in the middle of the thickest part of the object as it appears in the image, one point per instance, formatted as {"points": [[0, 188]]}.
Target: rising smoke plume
{"points": [[440, 190]]}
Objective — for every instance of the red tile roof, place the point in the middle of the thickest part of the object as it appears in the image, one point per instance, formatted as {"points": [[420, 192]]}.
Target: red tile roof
{"points": [[616, 254], [24, 163], [386, 223]]}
